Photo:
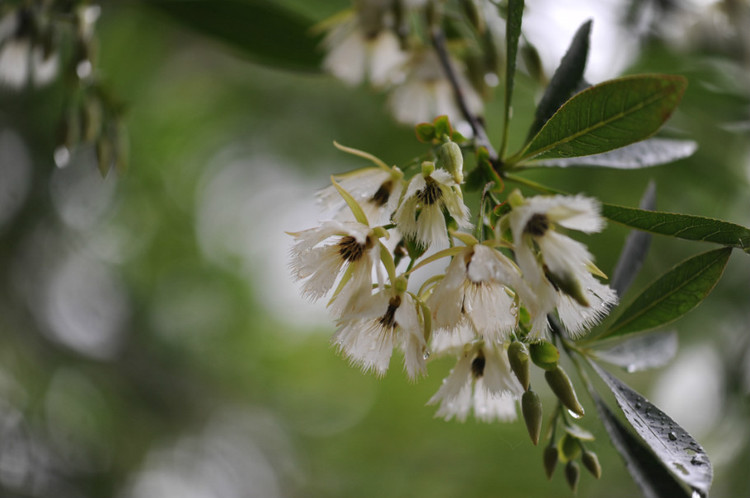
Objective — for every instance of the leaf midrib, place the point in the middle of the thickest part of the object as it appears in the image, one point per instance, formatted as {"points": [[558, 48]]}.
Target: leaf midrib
{"points": [[621, 324], [640, 105]]}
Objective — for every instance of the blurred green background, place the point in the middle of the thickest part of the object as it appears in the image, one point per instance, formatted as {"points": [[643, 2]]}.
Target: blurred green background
{"points": [[152, 344]]}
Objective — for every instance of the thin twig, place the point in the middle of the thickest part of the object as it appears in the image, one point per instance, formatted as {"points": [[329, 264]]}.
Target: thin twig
{"points": [[438, 41]]}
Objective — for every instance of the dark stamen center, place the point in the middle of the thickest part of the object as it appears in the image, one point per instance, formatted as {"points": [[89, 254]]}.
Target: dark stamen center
{"points": [[389, 319], [382, 195], [537, 225], [477, 365], [350, 249], [431, 192]]}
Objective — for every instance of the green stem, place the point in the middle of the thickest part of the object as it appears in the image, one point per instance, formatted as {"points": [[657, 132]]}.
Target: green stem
{"points": [[532, 184]]}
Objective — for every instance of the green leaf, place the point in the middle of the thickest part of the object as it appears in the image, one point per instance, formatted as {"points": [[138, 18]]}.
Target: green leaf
{"points": [[636, 247], [262, 30], [647, 471], [512, 33], [682, 455], [673, 294], [567, 80], [641, 352], [651, 152], [607, 116], [682, 226]]}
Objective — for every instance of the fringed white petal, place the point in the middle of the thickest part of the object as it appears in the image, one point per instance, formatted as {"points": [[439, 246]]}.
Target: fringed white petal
{"points": [[455, 395], [489, 407]]}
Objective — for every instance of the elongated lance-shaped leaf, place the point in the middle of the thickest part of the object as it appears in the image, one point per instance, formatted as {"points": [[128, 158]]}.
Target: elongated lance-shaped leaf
{"points": [[641, 352], [512, 34], [673, 294], [682, 226], [607, 116], [567, 80], [671, 444], [651, 152], [262, 30], [636, 247], [645, 468]]}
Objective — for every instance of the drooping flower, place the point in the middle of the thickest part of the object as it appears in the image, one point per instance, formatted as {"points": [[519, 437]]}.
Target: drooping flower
{"points": [[427, 92], [389, 319], [482, 381], [478, 292], [560, 270], [320, 256], [420, 214], [376, 189], [22, 58], [364, 46]]}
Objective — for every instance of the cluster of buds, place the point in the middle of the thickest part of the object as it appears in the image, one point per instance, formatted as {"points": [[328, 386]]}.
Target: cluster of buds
{"points": [[489, 306]]}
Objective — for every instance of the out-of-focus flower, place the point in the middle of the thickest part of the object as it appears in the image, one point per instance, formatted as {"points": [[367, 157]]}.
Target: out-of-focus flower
{"points": [[420, 214], [364, 46], [482, 381], [22, 57], [558, 269], [427, 93]]}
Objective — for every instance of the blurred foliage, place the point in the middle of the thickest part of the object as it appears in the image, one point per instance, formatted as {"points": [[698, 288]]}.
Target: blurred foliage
{"points": [[139, 355]]}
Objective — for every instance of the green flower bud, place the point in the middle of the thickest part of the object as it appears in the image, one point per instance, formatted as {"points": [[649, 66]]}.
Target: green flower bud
{"points": [[591, 462], [531, 407], [550, 460], [572, 473], [570, 447], [560, 384], [518, 355], [544, 355], [516, 199], [104, 155], [450, 158]]}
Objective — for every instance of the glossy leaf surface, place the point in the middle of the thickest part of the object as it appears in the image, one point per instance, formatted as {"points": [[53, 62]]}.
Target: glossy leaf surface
{"points": [[670, 443], [673, 294], [608, 116]]}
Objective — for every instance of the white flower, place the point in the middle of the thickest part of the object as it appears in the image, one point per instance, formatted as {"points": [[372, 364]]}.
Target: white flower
{"points": [[388, 320], [420, 214], [427, 93], [477, 290], [20, 59], [558, 268], [482, 381], [376, 190], [356, 52], [351, 248]]}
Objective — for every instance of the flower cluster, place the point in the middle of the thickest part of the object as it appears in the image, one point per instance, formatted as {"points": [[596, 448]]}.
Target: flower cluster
{"points": [[491, 293], [385, 44]]}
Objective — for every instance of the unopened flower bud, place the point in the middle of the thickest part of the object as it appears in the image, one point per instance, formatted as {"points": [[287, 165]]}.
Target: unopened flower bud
{"points": [[550, 460], [531, 407], [570, 447], [560, 384], [518, 356], [591, 462], [544, 354], [450, 158], [572, 473], [516, 199]]}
